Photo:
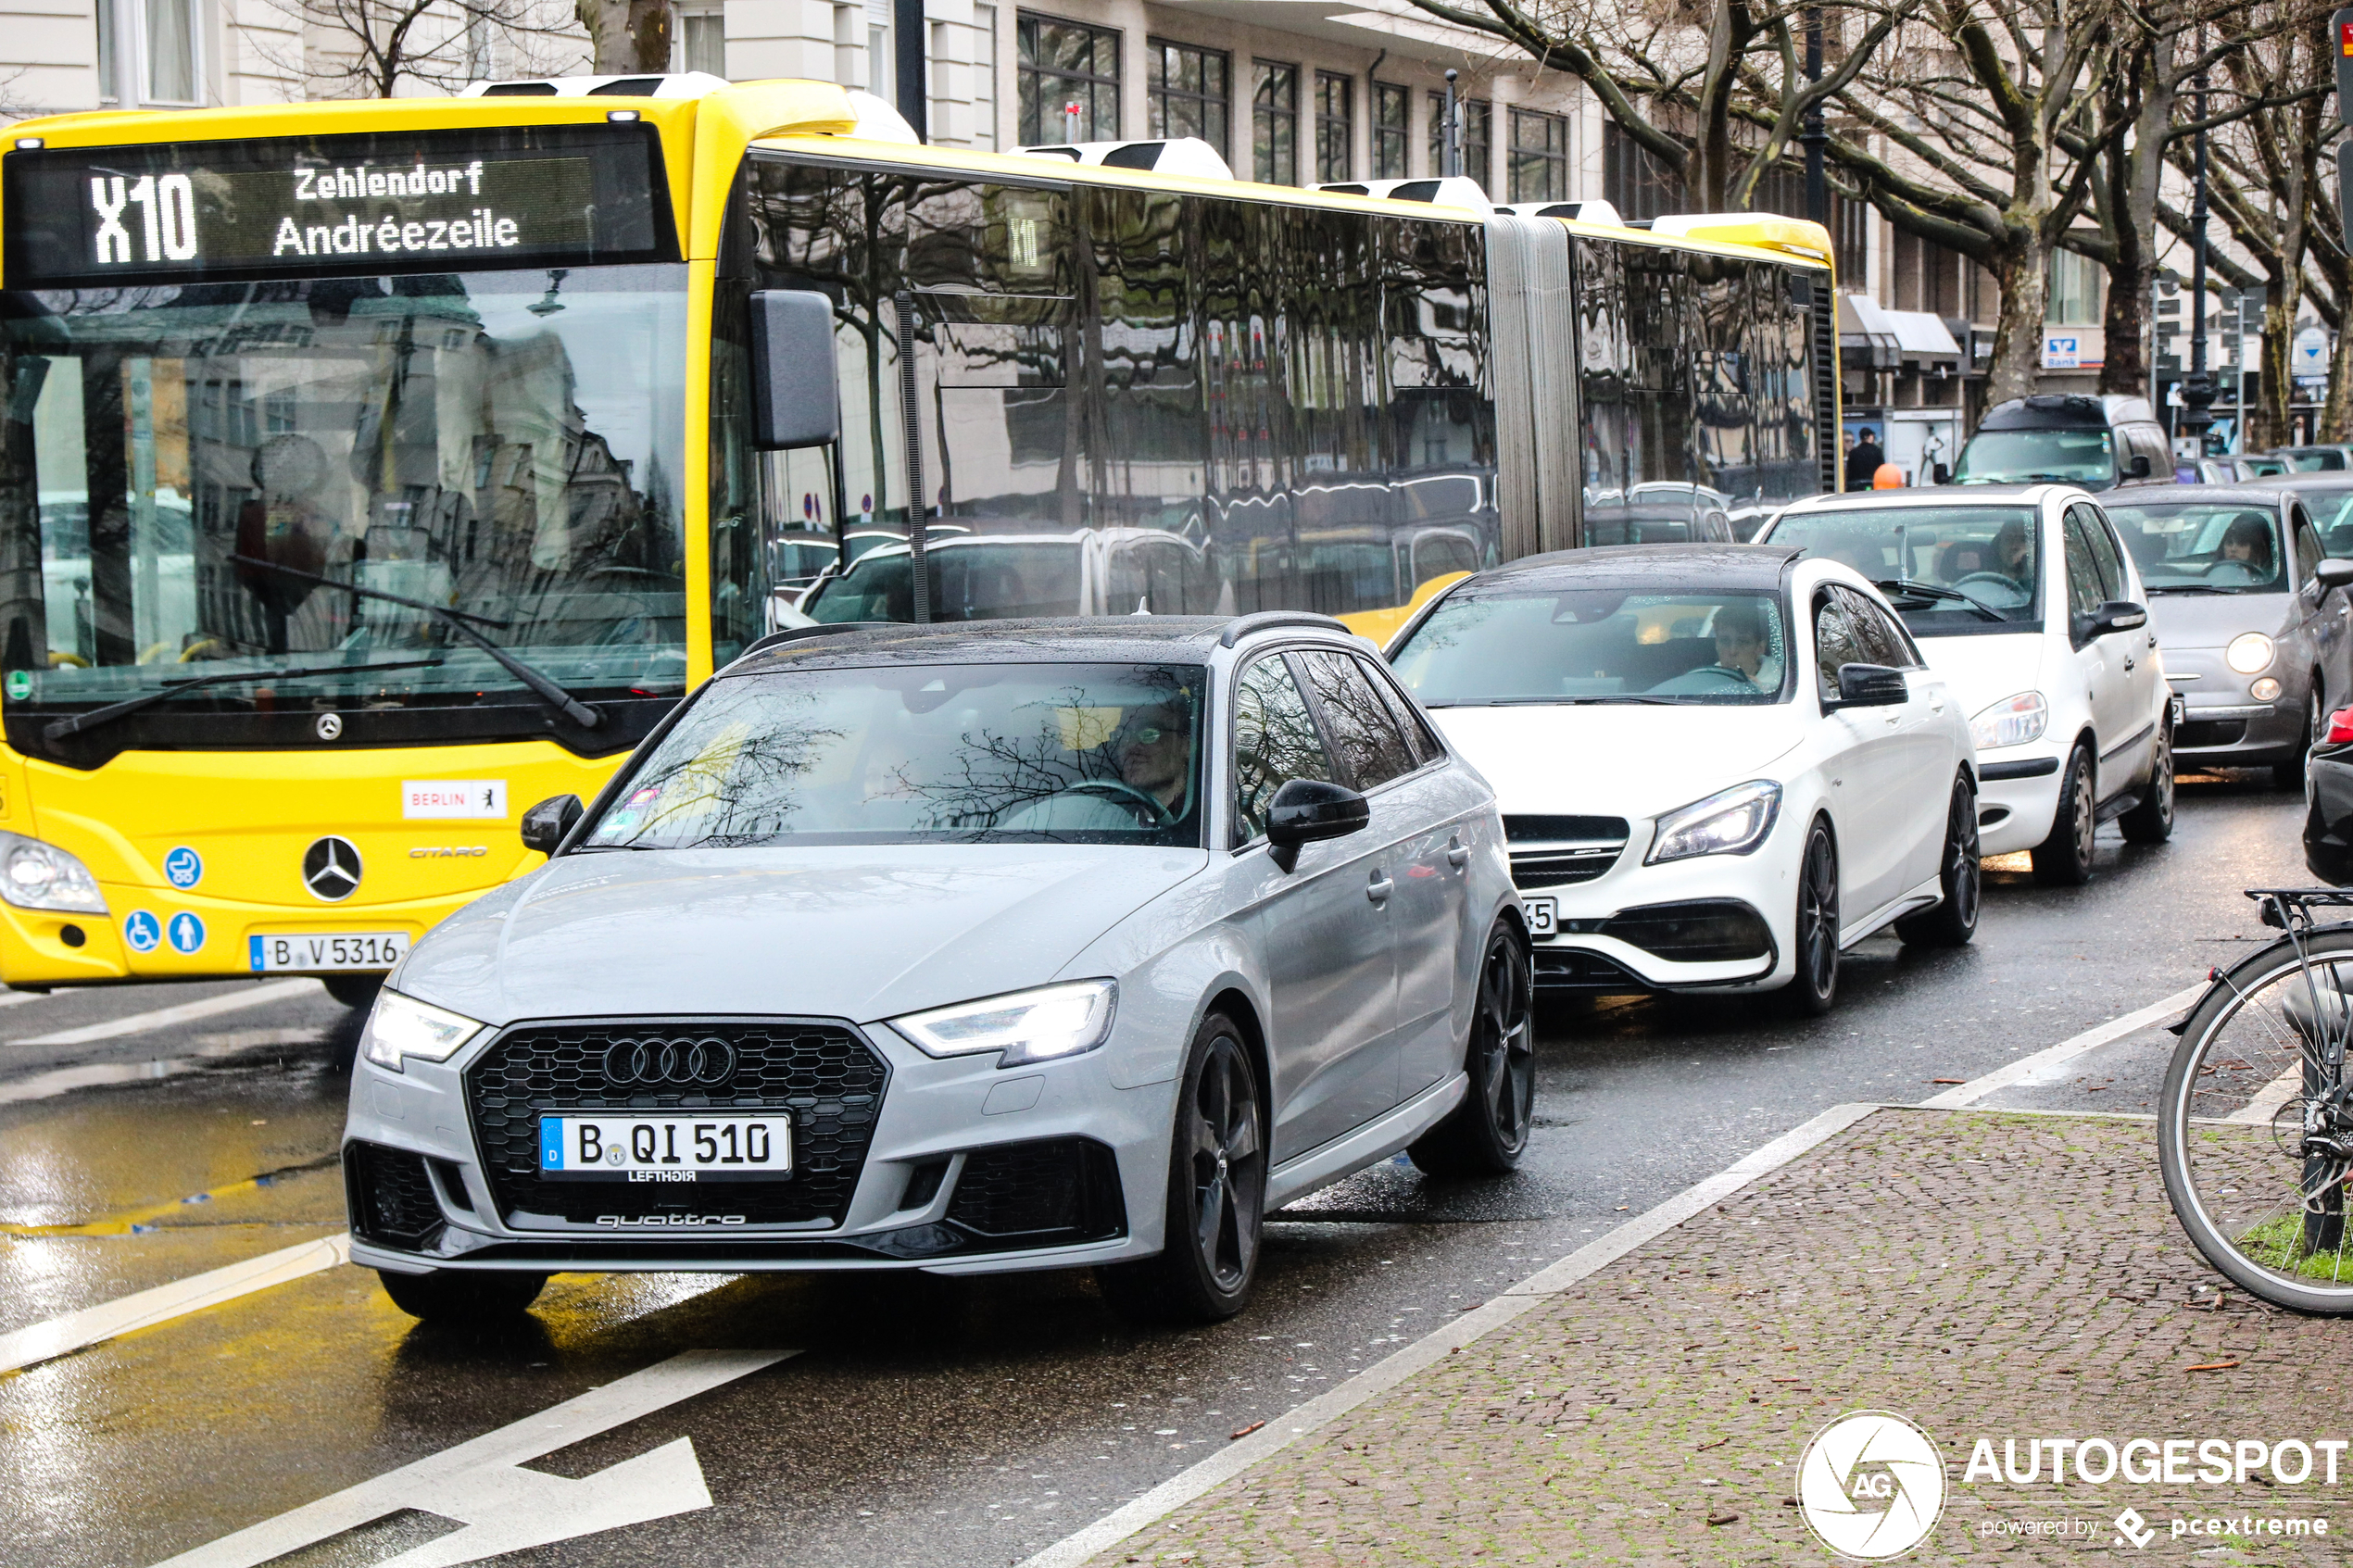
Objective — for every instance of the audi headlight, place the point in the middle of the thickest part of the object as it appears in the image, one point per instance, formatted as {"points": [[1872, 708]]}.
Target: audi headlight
{"points": [[2249, 653], [1731, 822], [399, 1027], [34, 875], [1041, 1025], [2014, 720]]}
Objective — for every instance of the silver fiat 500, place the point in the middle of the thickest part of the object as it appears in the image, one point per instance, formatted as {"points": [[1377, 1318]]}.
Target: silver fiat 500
{"points": [[964, 948]]}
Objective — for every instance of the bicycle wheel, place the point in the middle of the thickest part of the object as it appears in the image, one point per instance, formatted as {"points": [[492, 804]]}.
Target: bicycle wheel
{"points": [[2254, 1128]]}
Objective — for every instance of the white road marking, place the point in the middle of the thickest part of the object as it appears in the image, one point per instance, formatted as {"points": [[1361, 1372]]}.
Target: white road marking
{"points": [[2275, 1093], [1530, 1293], [2038, 1069], [94, 1324], [504, 1507], [185, 1012], [18, 998]]}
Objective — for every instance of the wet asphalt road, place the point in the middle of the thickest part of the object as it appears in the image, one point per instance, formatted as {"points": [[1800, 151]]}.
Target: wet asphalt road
{"points": [[924, 1421]]}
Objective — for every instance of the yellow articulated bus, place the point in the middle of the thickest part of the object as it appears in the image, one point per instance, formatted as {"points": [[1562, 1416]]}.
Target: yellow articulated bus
{"points": [[373, 471]]}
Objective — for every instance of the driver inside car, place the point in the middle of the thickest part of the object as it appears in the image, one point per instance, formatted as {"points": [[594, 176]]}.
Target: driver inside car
{"points": [[1740, 641], [1155, 756]]}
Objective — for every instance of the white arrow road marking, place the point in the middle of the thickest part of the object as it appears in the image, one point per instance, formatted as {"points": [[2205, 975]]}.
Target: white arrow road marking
{"points": [[504, 1508], [2047, 1066]]}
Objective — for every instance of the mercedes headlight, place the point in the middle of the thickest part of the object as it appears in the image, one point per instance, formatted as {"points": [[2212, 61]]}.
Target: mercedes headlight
{"points": [[400, 1027], [1041, 1025], [34, 875], [2249, 653], [2014, 720], [1730, 822]]}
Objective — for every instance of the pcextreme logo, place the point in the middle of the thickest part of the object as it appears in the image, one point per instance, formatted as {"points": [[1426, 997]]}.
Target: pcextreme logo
{"points": [[1871, 1486]]}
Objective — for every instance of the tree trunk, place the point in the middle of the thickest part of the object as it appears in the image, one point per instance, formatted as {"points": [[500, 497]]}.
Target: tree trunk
{"points": [[2336, 409], [2268, 423], [630, 37], [2017, 323], [2136, 176]]}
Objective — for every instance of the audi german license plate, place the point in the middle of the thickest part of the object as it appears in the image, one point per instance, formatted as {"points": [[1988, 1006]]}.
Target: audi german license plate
{"points": [[665, 1148], [1543, 916], [308, 953]]}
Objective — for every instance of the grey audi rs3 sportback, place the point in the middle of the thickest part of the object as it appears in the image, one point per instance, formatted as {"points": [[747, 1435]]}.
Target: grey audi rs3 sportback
{"points": [[964, 947]]}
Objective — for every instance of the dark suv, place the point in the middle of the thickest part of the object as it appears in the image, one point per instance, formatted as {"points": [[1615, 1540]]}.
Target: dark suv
{"points": [[2096, 443]]}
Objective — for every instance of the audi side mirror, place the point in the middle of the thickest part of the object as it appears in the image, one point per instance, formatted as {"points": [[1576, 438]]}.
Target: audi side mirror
{"points": [[1306, 810], [544, 825], [2332, 574], [1871, 686], [2118, 614], [796, 390], [1942, 473]]}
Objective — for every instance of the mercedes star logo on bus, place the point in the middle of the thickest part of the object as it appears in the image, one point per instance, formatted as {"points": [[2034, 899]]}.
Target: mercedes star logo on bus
{"points": [[330, 869]]}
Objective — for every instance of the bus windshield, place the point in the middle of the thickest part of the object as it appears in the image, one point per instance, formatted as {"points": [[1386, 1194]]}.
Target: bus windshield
{"points": [[198, 481]]}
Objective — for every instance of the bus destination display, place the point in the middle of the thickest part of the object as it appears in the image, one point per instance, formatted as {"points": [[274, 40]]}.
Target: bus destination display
{"points": [[377, 203]]}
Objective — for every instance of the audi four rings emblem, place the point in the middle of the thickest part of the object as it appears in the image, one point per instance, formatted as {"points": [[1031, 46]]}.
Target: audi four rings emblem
{"points": [[677, 1062], [330, 869]]}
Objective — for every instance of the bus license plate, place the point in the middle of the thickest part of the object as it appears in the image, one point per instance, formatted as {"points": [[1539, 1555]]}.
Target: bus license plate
{"points": [[306, 954], [665, 1148], [1543, 916]]}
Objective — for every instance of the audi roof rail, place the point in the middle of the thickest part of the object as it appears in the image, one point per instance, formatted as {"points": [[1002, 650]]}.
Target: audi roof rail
{"points": [[1268, 619], [800, 634]]}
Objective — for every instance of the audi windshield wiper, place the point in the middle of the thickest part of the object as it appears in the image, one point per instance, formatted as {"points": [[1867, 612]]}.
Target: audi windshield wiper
{"points": [[75, 724], [458, 621], [2191, 588], [1908, 588]]}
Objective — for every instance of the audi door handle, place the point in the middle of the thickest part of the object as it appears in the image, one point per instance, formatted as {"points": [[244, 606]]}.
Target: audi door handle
{"points": [[1377, 889], [1458, 855]]}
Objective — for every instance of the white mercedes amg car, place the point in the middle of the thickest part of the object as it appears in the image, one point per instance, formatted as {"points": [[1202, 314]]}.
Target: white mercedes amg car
{"points": [[1718, 766]]}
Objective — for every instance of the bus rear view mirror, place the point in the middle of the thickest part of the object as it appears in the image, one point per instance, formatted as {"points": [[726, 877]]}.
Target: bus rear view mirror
{"points": [[796, 394]]}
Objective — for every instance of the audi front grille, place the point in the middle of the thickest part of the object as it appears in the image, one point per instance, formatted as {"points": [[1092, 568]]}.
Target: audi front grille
{"points": [[819, 1071]]}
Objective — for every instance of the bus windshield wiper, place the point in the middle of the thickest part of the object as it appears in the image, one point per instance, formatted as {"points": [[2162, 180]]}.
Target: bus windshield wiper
{"points": [[75, 724], [1905, 587], [458, 621]]}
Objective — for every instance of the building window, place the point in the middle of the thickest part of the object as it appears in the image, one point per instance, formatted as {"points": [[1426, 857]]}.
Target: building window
{"points": [[1274, 115], [2074, 298], [1191, 94], [1478, 135], [1634, 179], [985, 77], [703, 42], [1539, 156], [1335, 125], [1388, 130], [1066, 66], [169, 31]]}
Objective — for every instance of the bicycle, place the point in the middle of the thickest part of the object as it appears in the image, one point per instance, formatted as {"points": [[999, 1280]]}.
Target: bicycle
{"points": [[2255, 1125]]}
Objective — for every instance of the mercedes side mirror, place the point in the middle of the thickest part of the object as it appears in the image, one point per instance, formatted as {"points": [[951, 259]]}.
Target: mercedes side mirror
{"points": [[796, 390], [2332, 574], [1871, 686], [544, 825], [1306, 810], [1942, 473], [2118, 614]]}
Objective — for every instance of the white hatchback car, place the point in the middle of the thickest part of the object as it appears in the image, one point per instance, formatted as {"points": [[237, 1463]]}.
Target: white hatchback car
{"points": [[1719, 765], [2035, 616]]}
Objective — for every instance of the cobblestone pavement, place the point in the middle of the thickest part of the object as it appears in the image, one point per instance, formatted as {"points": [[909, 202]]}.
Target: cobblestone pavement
{"points": [[1985, 1274]]}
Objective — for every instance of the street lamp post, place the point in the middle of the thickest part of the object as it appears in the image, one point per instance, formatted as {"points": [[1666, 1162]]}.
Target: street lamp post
{"points": [[2197, 387], [1450, 137], [1813, 136]]}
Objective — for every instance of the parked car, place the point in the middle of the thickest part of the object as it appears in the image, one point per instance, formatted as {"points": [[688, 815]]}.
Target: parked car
{"points": [[2329, 498], [2255, 646], [2322, 458], [2093, 443], [2328, 786], [964, 949], [2032, 612], [1719, 765]]}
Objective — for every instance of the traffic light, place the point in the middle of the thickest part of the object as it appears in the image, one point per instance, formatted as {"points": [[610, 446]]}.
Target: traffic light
{"points": [[2341, 28]]}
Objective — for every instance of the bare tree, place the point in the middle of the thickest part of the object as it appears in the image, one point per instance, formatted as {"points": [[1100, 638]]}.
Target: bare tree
{"points": [[1715, 91], [367, 48], [628, 35]]}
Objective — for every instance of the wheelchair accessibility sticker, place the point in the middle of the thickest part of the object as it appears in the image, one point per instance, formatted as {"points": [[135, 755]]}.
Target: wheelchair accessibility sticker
{"points": [[141, 929]]}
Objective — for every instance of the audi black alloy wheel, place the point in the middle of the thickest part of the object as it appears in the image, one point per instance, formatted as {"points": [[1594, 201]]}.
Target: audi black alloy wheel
{"points": [[1486, 1134]]}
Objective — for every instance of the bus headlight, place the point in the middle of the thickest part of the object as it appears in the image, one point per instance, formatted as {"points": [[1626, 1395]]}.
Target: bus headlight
{"points": [[34, 875], [400, 1027]]}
